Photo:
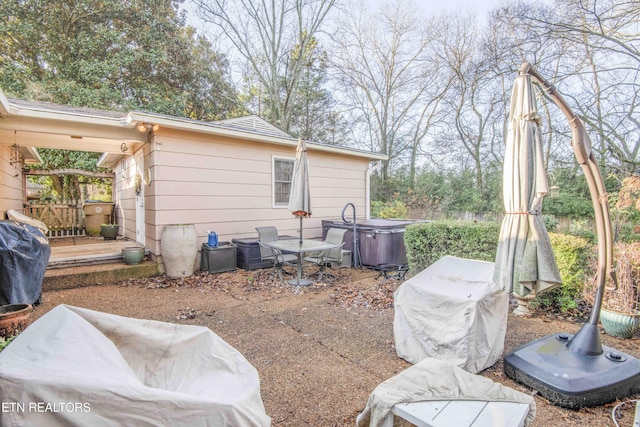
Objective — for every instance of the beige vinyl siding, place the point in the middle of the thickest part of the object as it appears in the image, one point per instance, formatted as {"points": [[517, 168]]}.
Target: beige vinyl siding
{"points": [[10, 183], [223, 184], [336, 183], [125, 203]]}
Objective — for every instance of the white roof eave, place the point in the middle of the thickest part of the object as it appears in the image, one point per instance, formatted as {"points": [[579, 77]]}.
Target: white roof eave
{"points": [[214, 129], [123, 127], [5, 107]]}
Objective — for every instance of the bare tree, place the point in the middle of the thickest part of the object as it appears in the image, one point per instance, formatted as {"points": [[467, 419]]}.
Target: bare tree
{"points": [[473, 102], [598, 71], [507, 44], [276, 38], [385, 75]]}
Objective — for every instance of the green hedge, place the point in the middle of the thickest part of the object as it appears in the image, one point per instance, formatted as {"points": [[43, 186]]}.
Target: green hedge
{"points": [[572, 257], [394, 209], [427, 242]]}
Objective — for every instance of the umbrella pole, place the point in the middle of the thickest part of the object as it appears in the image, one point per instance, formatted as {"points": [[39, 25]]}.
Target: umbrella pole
{"points": [[587, 341], [592, 374], [300, 229]]}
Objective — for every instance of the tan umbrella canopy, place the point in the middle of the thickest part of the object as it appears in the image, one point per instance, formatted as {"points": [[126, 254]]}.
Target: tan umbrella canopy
{"points": [[525, 264], [300, 196]]}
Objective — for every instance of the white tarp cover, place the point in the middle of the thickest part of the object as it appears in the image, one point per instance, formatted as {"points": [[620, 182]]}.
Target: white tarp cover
{"points": [[433, 379], [452, 311], [77, 367], [20, 217]]}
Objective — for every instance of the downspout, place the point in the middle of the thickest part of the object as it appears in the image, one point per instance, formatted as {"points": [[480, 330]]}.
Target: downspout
{"points": [[373, 167]]}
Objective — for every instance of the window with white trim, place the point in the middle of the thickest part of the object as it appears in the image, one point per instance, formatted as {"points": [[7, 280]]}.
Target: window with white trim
{"points": [[282, 173]]}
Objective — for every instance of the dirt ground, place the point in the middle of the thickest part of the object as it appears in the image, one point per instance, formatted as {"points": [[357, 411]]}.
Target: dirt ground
{"points": [[319, 350]]}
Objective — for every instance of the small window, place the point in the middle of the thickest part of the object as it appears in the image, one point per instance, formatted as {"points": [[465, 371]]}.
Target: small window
{"points": [[282, 173]]}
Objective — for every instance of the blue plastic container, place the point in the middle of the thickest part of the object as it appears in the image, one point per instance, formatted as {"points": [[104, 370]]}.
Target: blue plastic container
{"points": [[213, 239]]}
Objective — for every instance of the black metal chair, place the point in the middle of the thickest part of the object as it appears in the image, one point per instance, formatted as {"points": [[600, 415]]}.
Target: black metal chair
{"points": [[267, 253], [326, 258]]}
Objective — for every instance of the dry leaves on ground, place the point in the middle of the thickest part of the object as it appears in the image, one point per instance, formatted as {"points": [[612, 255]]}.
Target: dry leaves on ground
{"points": [[239, 282], [377, 297]]}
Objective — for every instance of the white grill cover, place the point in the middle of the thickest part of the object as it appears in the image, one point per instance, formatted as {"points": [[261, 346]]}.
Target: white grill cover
{"points": [[77, 367], [452, 311]]}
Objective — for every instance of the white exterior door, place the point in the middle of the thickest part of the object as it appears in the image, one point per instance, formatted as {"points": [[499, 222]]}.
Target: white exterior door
{"points": [[140, 229]]}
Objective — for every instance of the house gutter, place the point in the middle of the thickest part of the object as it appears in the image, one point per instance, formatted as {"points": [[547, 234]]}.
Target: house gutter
{"points": [[373, 167], [40, 112]]}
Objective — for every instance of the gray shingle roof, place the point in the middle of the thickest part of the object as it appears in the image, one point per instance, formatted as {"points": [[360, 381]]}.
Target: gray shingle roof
{"points": [[253, 124]]}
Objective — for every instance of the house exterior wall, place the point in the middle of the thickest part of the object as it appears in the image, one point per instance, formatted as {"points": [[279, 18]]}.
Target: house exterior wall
{"points": [[11, 191], [225, 185], [124, 183]]}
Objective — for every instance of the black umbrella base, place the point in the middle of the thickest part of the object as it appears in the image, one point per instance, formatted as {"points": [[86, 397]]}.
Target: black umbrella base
{"points": [[573, 380]]}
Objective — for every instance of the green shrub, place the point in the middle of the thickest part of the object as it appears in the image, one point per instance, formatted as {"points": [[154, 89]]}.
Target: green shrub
{"points": [[572, 257], [550, 222], [579, 228], [394, 209], [626, 233], [428, 242], [4, 342]]}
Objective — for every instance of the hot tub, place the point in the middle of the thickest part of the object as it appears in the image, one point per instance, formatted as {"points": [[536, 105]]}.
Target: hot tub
{"points": [[380, 241]]}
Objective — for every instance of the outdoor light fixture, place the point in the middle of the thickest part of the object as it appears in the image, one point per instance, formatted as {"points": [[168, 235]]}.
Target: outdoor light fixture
{"points": [[575, 371], [146, 127], [554, 192]]}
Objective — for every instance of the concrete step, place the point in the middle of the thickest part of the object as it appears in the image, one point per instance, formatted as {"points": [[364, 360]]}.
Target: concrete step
{"points": [[79, 252], [98, 274]]}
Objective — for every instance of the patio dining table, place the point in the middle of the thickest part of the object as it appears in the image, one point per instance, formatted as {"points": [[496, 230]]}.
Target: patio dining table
{"points": [[299, 248]]}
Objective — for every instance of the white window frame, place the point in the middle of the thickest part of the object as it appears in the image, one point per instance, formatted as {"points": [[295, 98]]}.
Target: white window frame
{"points": [[275, 159]]}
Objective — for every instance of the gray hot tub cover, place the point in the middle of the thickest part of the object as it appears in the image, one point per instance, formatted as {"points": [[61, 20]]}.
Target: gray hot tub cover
{"points": [[78, 367]]}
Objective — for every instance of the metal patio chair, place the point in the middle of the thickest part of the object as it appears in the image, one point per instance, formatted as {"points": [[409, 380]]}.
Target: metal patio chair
{"points": [[267, 253], [327, 258]]}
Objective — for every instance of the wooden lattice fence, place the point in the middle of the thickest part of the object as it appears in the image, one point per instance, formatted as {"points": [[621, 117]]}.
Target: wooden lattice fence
{"points": [[61, 218]]}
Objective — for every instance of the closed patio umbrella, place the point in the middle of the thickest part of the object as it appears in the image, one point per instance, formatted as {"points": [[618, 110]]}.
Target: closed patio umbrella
{"points": [[300, 196], [525, 264], [577, 370]]}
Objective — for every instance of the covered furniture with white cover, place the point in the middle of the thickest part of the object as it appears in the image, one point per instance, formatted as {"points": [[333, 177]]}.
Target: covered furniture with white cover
{"points": [[434, 380], [451, 311], [78, 367]]}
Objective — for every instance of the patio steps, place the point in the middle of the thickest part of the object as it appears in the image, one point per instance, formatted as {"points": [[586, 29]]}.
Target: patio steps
{"points": [[84, 261], [97, 274]]}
